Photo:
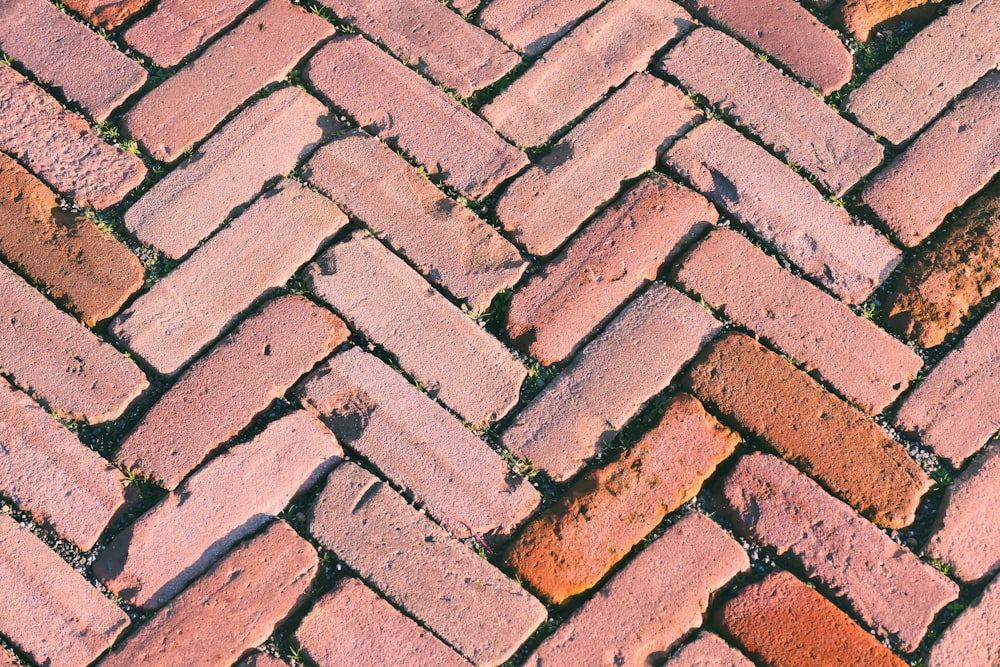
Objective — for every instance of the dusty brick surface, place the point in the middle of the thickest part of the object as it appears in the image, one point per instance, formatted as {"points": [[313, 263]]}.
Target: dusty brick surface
{"points": [[409, 559], [107, 13], [708, 650], [863, 17], [889, 588], [531, 26], [973, 639], [620, 140], [230, 498], [178, 27], [627, 623], [785, 115], [633, 359]]}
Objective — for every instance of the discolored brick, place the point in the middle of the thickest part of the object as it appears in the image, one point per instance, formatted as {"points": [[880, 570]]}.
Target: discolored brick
{"points": [[107, 13], [863, 17], [973, 638], [531, 26], [177, 27], [708, 650]]}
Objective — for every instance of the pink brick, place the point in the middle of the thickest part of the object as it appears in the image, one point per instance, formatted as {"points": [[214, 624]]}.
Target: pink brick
{"points": [[708, 650], [188, 309], [628, 622], [607, 384], [455, 359], [262, 49], [261, 660], [974, 637], [618, 141], [786, 116], [575, 73], [178, 27], [107, 14], [405, 110], [531, 26], [232, 497]]}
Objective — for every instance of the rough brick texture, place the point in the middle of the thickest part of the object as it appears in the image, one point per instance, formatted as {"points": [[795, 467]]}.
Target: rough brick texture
{"points": [[107, 13], [863, 17], [178, 27], [531, 26], [708, 650], [973, 638]]}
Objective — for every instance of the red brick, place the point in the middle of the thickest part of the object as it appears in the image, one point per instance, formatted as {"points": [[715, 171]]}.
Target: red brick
{"points": [[837, 444], [266, 140], [50, 612], [708, 651], [783, 623], [224, 390], [863, 362], [261, 660], [262, 49], [60, 148], [889, 588], [618, 141], [848, 258], [575, 73], [232, 497], [405, 110], [863, 17], [107, 13], [922, 186], [7, 659], [531, 26], [188, 309], [628, 622], [82, 267], [756, 95], [973, 638], [440, 347], [940, 62], [178, 27], [55, 357], [351, 625], [573, 544], [433, 578], [235, 606]]}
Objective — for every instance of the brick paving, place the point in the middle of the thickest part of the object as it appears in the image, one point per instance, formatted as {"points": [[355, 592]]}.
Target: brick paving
{"points": [[361, 332]]}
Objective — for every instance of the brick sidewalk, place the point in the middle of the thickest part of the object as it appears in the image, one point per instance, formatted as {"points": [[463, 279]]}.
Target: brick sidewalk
{"points": [[519, 332]]}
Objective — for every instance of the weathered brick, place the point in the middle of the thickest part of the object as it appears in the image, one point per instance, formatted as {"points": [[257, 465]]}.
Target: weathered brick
{"points": [[575, 73], [618, 141], [889, 588], [236, 605], [107, 13], [60, 148], [81, 266], [258, 659], [407, 111], [266, 140], [973, 639], [232, 497], [863, 17], [795, 123], [223, 391], [574, 543], [262, 49], [187, 310], [55, 357], [531, 26], [708, 650], [940, 62], [439, 346], [178, 27], [837, 444], [627, 622], [352, 625], [415, 563], [925, 183], [859, 359], [50, 612]]}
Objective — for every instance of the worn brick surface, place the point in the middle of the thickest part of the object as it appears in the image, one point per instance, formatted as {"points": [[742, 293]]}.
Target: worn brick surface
{"points": [[863, 17], [531, 26], [708, 650], [973, 638], [258, 659], [107, 13], [178, 27]]}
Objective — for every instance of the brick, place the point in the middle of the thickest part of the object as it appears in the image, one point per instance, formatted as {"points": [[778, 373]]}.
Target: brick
{"points": [[262, 49], [67, 621], [224, 390], [941, 61], [627, 622], [107, 13], [230, 498], [890, 589], [708, 650], [264, 141], [433, 578], [633, 359], [352, 625], [435, 39], [848, 258], [443, 349], [925, 183], [571, 545], [859, 359], [863, 17], [973, 638], [795, 123], [60, 148], [82, 267], [407, 111], [185, 311], [531, 26], [178, 27], [782, 622], [258, 659], [618, 141], [440, 464], [445, 242], [828, 439], [575, 73], [58, 360], [953, 411], [236, 605]]}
